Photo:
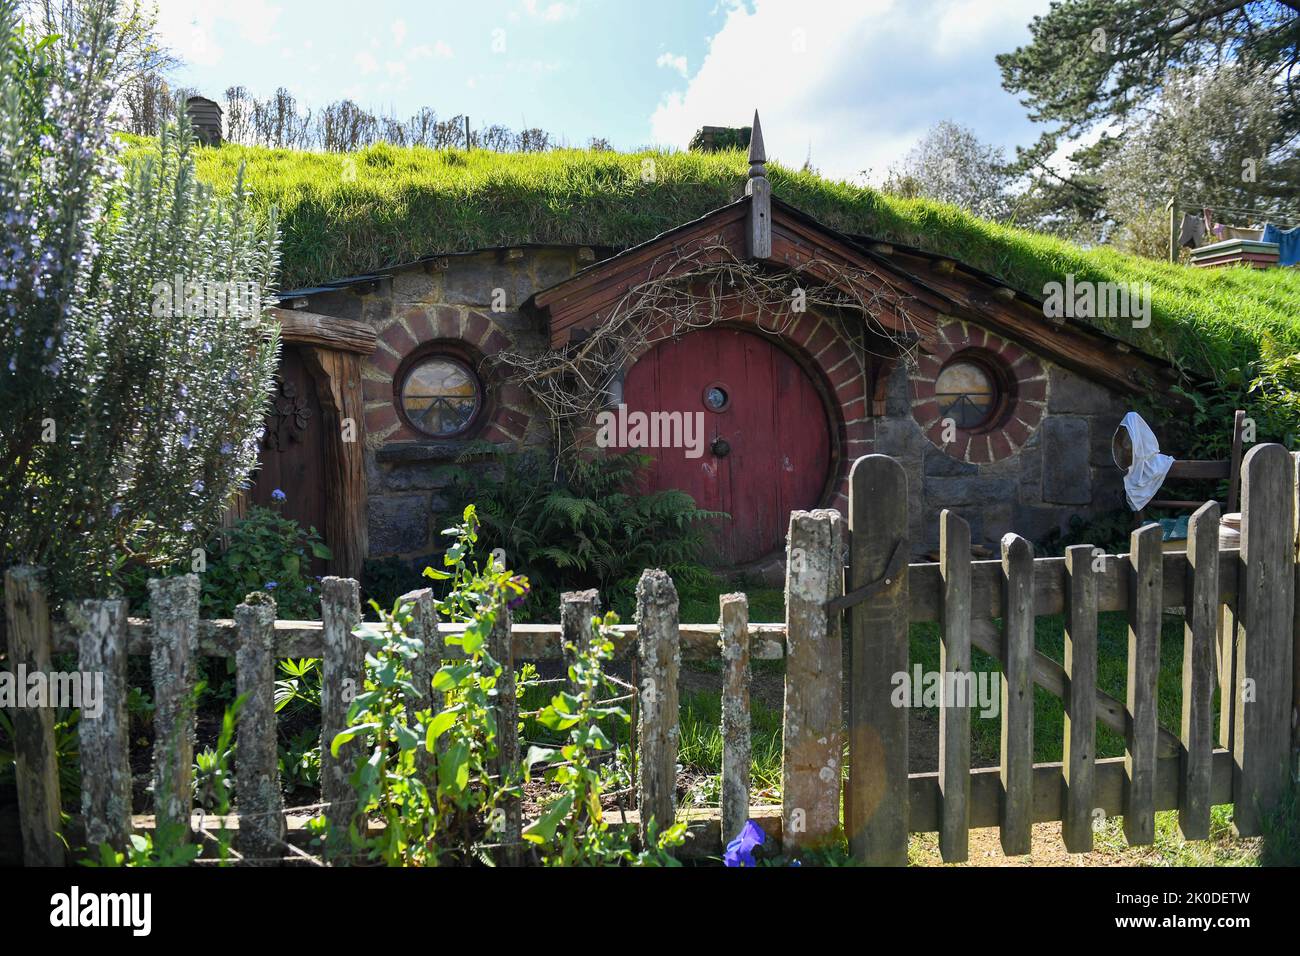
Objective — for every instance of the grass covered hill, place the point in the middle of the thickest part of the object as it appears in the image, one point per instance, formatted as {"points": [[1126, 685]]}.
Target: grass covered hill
{"points": [[349, 214]]}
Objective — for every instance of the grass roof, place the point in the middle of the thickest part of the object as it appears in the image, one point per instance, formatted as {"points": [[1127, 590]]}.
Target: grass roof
{"points": [[348, 214]]}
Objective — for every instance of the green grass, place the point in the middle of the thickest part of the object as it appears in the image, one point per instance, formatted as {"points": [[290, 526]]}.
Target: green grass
{"points": [[404, 203], [1049, 713]]}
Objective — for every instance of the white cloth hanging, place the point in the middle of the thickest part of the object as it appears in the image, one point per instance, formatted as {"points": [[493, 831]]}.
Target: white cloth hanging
{"points": [[1147, 472]]}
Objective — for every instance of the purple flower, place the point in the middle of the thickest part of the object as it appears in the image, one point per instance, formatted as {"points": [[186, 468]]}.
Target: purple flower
{"points": [[740, 851], [187, 526], [278, 495], [271, 585]]}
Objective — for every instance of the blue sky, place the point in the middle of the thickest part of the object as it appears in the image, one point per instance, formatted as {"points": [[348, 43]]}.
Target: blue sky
{"points": [[857, 82]]}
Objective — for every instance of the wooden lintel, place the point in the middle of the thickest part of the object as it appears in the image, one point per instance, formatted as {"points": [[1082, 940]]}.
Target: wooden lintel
{"points": [[325, 331]]}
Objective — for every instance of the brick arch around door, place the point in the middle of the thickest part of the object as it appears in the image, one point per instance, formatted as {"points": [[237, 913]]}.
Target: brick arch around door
{"points": [[795, 418]]}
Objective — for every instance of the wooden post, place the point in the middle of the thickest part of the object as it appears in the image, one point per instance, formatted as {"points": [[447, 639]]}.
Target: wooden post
{"points": [[257, 781], [1078, 760], [877, 800], [658, 659], [957, 688], [100, 629], [342, 677], [577, 608], [1295, 629], [27, 613], [1145, 613], [1175, 226], [733, 636], [174, 608], [500, 646], [424, 625], [1265, 640], [812, 738], [1017, 760], [337, 374], [1201, 623]]}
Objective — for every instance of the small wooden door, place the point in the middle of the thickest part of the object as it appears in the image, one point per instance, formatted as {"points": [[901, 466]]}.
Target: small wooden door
{"points": [[293, 449], [767, 440]]}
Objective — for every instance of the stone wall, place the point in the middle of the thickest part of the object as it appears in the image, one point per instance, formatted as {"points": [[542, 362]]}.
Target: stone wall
{"points": [[1062, 469], [1048, 462]]}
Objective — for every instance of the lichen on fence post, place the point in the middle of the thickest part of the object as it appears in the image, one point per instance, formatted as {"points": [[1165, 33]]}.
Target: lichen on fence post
{"points": [[424, 626], [257, 781], [812, 737], [658, 659], [27, 614], [733, 636], [174, 608], [100, 629], [342, 677], [508, 826], [577, 608]]}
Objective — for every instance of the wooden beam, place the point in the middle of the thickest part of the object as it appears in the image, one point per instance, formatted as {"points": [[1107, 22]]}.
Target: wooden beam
{"points": [[327, 331]]}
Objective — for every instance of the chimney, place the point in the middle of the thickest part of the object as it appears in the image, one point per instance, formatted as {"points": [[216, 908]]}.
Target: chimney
{"points": [[205, 116]]}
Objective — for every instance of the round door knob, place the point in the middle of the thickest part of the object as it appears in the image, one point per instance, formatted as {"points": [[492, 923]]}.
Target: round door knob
{"points": [[720, 448]]}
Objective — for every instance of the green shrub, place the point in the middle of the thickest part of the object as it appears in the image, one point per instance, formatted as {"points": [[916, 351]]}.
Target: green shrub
{"points": [[266, 552], [590, 528], [131, 415]]}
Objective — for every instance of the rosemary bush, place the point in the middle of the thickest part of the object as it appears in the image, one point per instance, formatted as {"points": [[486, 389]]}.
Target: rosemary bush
{"points": [[136, 357]]}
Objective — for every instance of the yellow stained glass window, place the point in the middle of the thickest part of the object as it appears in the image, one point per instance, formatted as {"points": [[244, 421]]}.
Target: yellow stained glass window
{"points": [[966, 393]]}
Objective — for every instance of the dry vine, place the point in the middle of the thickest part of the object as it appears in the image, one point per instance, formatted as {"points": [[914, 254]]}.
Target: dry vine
{"points": [[685, 293]]}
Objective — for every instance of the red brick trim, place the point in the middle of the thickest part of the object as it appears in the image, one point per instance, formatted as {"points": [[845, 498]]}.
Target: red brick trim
{"points": [[1025, 401]]}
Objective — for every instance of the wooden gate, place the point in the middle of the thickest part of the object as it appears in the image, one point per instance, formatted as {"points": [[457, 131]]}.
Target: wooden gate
{"points": [[1240, 638]]}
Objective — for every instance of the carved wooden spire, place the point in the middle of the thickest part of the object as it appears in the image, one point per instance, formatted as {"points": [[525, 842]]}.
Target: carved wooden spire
{"points": [[758, 237]]}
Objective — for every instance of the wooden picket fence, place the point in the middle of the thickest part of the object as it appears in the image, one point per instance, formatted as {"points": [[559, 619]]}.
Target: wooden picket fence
{"points": [[843, 583]]}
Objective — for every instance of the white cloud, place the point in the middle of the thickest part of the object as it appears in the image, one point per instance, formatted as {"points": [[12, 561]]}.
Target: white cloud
{"points": [[551, 12], [677, 63], [858, 83], [190, 27], [366, 62], [399, 32]]}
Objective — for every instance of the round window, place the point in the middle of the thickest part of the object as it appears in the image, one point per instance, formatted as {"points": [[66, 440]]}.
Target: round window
{"points": [[441, 396], [966, 393], [716, 397]]}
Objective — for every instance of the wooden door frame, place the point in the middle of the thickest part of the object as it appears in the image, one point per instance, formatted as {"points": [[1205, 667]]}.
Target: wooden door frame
{"points": [[332, 349]]}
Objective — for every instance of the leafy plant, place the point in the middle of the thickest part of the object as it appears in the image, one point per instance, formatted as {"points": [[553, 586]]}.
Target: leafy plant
{"points": [[266, 551], [300, 760], [591, 528], [573, 830], [129, 422]]}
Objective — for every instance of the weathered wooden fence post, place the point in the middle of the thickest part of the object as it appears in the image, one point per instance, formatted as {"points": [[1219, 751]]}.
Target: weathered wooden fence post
{"points": [[659, 657], [958, 690], [733, 636], [577, 608], [1079, 744], [174, 608], [812, 736], [424, 625], [342, 677], [1145, 614], [1199, 632], [1016, 767], [501, 646], [27, 613], [100, 631], [1265, 638], [1295, 628], [257, 780], [877, 802]]}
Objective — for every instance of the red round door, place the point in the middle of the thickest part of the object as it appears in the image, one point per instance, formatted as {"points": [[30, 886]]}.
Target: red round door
{"points": [[765, 446]]}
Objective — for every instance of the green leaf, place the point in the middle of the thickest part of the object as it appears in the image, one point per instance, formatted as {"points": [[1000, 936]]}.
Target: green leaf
{"points": [[436, 575], [453, 767], [346, 735], [437, 727], [543, 830]]}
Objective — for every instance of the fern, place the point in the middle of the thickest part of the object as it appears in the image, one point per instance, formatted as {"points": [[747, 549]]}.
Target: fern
{"points": [[590, 528]]}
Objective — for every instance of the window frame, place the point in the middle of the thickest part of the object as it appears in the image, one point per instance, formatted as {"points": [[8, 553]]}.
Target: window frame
{"points": [[457, 356], [1001, 380]]}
